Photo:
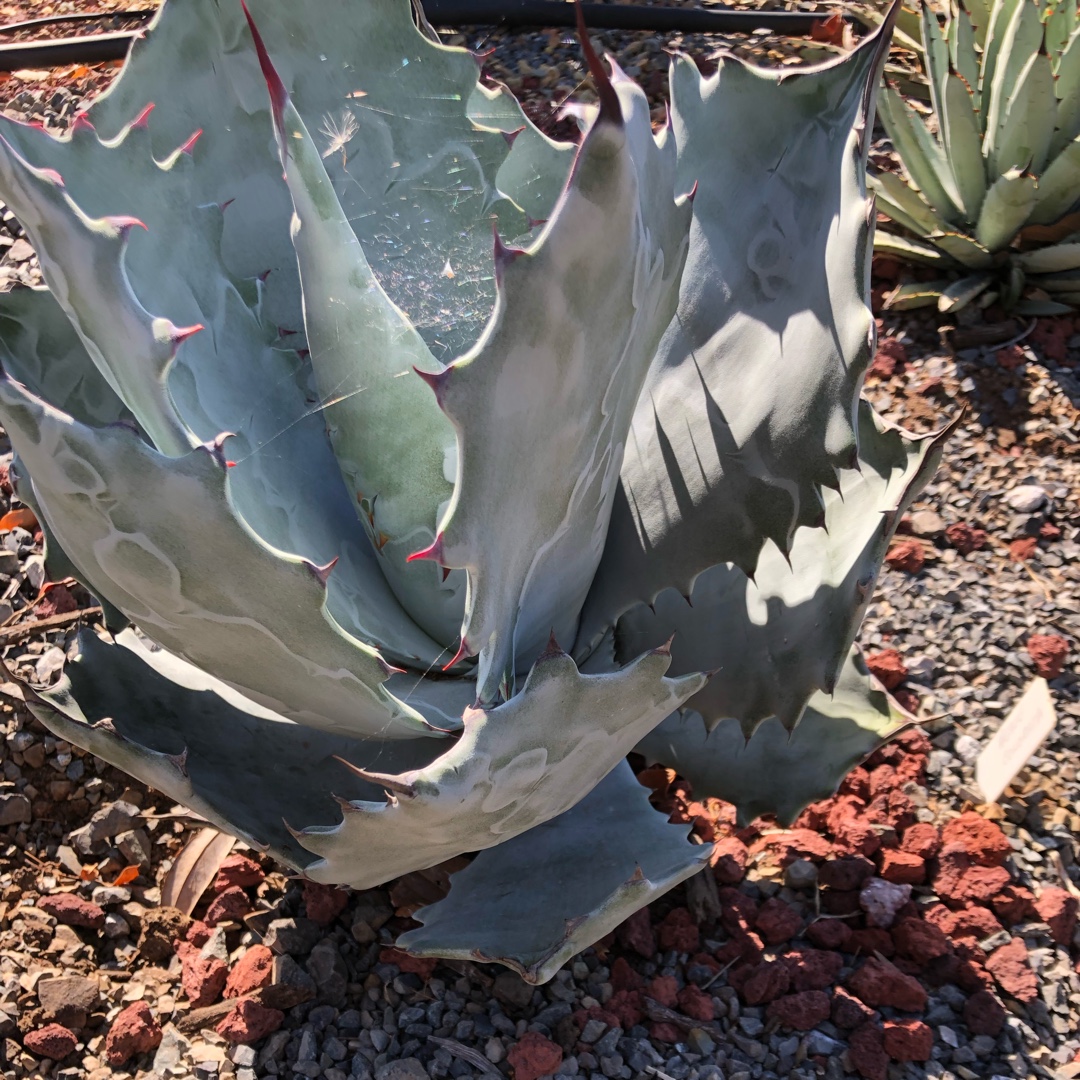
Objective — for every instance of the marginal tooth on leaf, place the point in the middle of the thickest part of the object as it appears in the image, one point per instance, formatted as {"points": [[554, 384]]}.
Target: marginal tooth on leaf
{"points": [[279, 97], [636, 877], [445, 572], [323, 572], [610, 110], [481, 55], [215, 447], [123, 224], [665, 649], [53, 177], [462, 652], [437, 380], [504, 255], [434, 551], [686, 597], [345, 804], [535, 223], [389, 669], [552, 651], [511, 136], [180, 334], [81, 123], [106, 724], [383, 780], [189, 146], [180, 761], [691, 194], [142, 120], [223, 206], [296, 834]]}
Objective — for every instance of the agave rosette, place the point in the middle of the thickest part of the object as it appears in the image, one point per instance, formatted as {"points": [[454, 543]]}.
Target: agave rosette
{"points": [[351, 519], [992, 179]]}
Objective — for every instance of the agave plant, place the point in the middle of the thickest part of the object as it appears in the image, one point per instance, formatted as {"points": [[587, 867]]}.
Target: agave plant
{"points": [[992, 177], [336, 631]]}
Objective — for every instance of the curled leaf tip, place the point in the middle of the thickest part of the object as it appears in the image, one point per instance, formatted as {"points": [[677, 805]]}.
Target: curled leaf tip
{"points": [[610, 110], [279, 97]]}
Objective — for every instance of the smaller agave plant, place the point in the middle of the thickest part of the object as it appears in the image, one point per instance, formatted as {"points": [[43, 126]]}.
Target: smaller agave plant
{"points": [[635, 431], [994, 174]]}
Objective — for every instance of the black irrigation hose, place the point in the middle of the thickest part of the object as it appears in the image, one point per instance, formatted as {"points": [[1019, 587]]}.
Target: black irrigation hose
{"points": [[101, 47]]}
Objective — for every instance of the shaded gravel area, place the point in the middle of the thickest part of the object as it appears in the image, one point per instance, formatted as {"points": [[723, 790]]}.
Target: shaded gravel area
{"points": [[901, 929]]}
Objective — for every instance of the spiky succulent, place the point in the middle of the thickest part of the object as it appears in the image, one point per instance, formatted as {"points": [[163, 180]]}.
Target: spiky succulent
{"points": [[351, 623], [992, 177]]}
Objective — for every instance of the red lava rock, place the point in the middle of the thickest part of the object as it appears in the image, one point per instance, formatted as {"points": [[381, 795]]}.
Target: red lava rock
{"points": [[1051, 337], [1048, 651], [72, 910], [1014, 904], [238, 869], [198, 934], [961, 879], [252, 971], [762, 983], [694, 1002], [902, 868], [249, 1022], [627, 1006], [230, 903], [866, 1051], [737, 911], [636, 934], [848, 1011], [871, 940], [624, 977], [920, 941], [134, 1031], [1009, 966], [908, 1040], [812, 969], [983, 840], [51, 1041], [965, 538], [802, 1011], [1049, 531], [984, 1014], [729, 860], [777, 921], [203, 977], [857, 783], [878, 983], [679, 931], [324, 903], [888, 665], [970, 921], [922, 839], [884, 777], [1010, 357], [892, 808], [846, 873], [840, 902], [56, 601], [906, 554], [856, 837], [829, 933], [1058, 910], [665, 990], [934, 384], [889, 358], [744, 946], [423, 966], [1023, 549], [533, 1056], [667, 1033], [595, 1012], [786, 847]]}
